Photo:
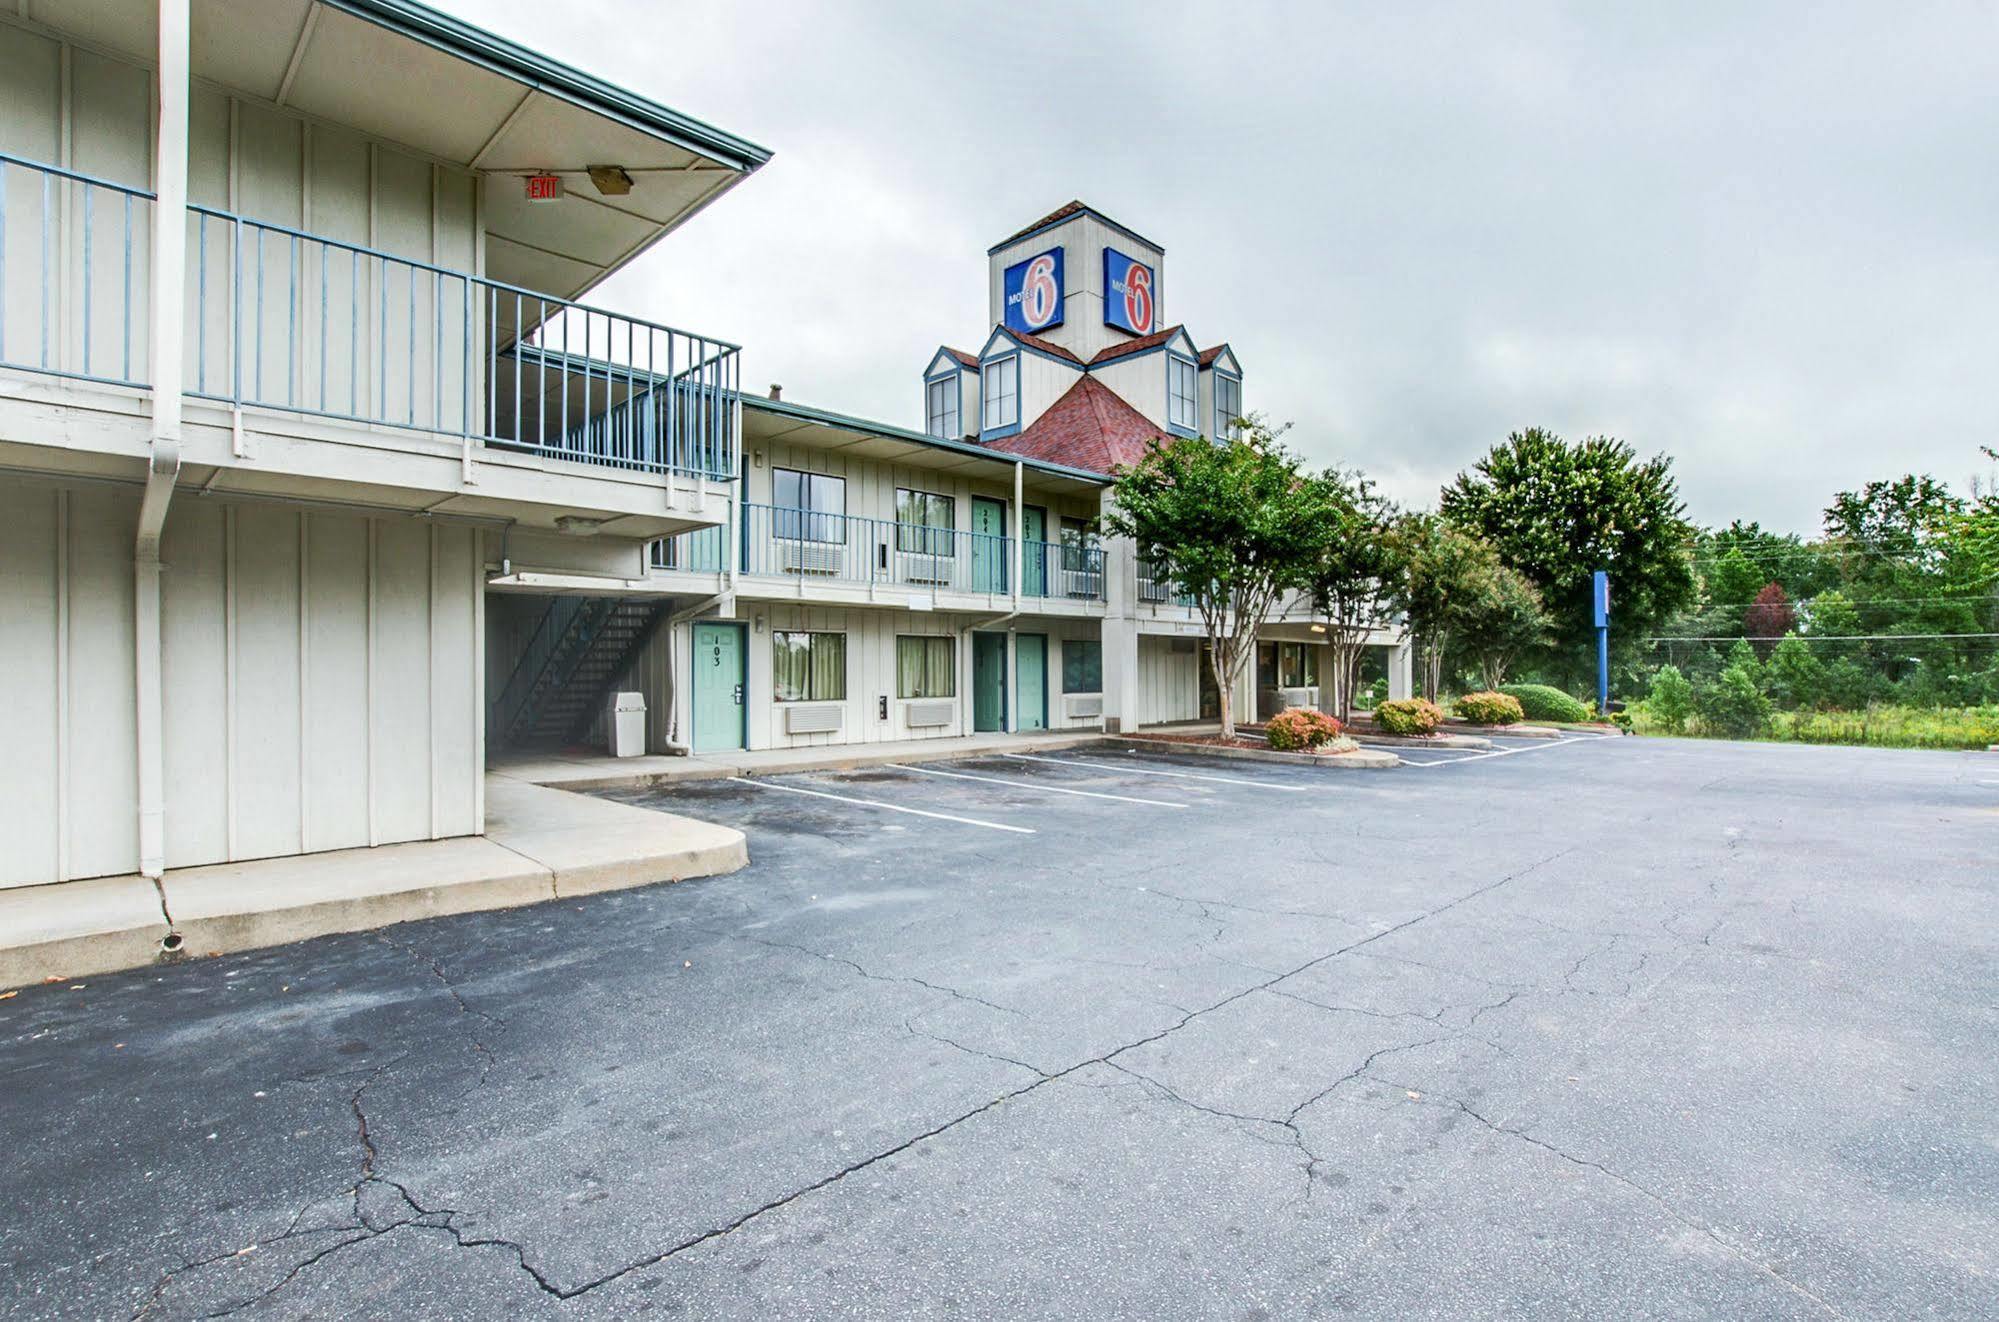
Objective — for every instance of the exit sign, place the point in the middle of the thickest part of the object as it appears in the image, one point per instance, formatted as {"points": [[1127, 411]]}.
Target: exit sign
{"points": [[544, 187]]}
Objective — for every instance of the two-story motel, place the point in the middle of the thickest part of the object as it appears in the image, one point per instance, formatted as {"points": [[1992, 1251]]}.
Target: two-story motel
{"points": [[318, 483]]}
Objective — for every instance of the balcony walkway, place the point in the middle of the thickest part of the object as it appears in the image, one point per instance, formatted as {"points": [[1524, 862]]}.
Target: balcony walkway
{"points": [[583, 770]]}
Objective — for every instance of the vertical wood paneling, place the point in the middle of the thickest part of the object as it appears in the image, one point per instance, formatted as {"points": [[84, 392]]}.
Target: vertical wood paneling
{"points": [[334, 751], [268, 669], [31, 627], [194, 680]]}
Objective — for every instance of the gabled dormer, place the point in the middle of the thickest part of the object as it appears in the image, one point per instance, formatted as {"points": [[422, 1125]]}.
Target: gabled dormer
{"points": [[1020, 375], [1157, 374], [1221, 391], [951, 394]]}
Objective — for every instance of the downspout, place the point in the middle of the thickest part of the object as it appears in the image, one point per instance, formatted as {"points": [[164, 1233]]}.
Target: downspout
{"points": [[163, 465], [674, 747]]}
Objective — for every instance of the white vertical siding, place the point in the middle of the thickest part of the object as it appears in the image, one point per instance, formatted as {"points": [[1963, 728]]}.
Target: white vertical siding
{"points": [[319, 673]]}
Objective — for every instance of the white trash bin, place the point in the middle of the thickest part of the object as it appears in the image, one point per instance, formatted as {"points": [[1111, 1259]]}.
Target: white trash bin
{"points": [[628, 724]]}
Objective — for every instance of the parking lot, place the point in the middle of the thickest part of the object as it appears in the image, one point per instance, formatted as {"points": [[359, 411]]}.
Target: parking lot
{"points": [[1596, 1027]]}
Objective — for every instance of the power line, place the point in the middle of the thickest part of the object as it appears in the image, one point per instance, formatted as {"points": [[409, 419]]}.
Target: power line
{"points": [[1812, 638]]}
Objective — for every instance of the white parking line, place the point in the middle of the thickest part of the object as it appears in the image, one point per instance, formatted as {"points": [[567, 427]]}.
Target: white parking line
{"points": [[1508, 752], [1030, 785], [1155, 771], [885, 807]]}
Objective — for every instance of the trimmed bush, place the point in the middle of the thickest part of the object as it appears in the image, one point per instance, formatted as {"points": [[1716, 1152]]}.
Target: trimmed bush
{"points": [[1300, 729], [1539, 702], [1409, 716], [1733, 707], [1671, 700], [1489, 708]]}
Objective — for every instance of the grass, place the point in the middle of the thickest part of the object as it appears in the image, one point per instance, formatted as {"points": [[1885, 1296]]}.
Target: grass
{"points": [[1881, 726]]}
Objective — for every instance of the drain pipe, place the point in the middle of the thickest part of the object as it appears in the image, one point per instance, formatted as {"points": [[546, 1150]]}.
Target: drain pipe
{"points": [[169, 296], [674, 747]]}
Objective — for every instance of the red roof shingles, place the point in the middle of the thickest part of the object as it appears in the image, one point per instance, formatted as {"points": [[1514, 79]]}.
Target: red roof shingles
{"points": [[1046, 346], [1143, 342], [1088, 428], [1063, 212], [970, 360], [1208, 356]]}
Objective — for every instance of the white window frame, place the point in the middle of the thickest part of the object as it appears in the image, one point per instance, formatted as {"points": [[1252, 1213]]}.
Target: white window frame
{"points": [[999, 404], [1225, 417], [1183, 411], [943, 397]]}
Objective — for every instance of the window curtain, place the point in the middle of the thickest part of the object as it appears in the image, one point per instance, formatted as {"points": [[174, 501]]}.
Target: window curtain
{"points": [[925, 668], [828, 669], [788, 653]]}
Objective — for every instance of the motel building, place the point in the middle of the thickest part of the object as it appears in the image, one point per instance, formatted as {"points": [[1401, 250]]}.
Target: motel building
{"points": [[323, 486]]}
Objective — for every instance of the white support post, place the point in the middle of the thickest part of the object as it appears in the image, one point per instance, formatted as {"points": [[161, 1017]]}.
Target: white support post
{"points": [[1120, 634], [1402, 671], [167, 311]]}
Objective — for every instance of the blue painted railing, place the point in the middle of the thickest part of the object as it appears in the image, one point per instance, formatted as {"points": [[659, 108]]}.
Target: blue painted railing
{"points": [[813, 546], [282, 319]]}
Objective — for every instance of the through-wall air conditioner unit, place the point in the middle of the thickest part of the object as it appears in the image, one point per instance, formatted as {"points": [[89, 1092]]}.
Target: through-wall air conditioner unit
{"points": [[929, 570], [809, 557], [815, 719], [1083, 706], [929, 714]]}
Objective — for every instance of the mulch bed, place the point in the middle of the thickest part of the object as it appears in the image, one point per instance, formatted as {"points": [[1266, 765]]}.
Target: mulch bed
{"points": [[1242, 740]]}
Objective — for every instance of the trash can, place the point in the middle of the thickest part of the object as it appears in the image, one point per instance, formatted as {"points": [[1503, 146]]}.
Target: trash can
{"points": [[628, 724]]}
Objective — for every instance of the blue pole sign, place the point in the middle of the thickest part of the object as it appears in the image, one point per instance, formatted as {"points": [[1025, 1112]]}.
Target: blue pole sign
{"points": [[1032, 293], [1600, 610]]}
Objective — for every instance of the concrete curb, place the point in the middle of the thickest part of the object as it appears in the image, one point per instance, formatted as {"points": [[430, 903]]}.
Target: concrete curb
{"points": [[1433, 741], [711, 766], [540, 845], [1360, 760], [1509, 731]]}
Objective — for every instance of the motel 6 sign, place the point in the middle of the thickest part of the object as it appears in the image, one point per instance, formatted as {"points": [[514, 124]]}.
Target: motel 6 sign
{"points": [[1128, 293], [1033, 293]]}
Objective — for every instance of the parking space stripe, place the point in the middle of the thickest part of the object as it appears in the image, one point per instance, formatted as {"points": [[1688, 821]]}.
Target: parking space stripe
{"points": [[1030, 785], [1155, 771], [1507, 752], [885, 807]]}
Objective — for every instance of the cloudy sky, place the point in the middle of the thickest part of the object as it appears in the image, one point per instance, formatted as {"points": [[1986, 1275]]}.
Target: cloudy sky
{"points": [[1761, 239]]}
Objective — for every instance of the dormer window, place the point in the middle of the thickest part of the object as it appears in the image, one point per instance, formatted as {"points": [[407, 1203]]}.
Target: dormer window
{"points": [[941, 407], [1183, 395], [1228, 405], [1000, 390]]}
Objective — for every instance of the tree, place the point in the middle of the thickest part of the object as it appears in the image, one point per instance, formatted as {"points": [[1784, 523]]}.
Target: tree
{"points": [[1732, 581], [1671, 700], [1558, 512], [1234, 523], [1443, 567], [1501, 620], [1794, 675], [1733, 705], [1354, 581], [1833, 616], [1769, 616]]}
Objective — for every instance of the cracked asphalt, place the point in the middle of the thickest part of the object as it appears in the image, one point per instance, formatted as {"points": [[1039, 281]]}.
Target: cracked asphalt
{"points": [[1615, 1028]]}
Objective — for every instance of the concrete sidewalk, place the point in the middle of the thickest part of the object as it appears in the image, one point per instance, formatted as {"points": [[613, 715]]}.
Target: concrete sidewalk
{"points": [[540, 844], [595, 771]]}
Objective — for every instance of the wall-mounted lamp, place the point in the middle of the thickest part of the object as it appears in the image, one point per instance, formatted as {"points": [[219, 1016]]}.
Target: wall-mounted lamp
{"points": [[757, 624]]}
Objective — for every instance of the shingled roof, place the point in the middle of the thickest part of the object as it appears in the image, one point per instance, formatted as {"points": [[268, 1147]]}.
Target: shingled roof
{"points": [[1088, 428], [1208, 356], [970, 360], [1139, 345], [1063, 212]]}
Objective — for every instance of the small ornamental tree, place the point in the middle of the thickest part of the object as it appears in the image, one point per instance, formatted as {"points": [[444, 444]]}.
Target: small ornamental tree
{"points": [[1443, 568], [1234, 523], [1500, 621], [1769, 616], [1356, 576]]}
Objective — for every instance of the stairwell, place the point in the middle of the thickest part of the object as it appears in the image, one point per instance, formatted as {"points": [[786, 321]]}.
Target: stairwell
{"points": [[580, 648]]}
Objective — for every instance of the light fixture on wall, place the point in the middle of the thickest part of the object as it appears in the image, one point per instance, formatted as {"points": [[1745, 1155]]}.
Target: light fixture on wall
{"points": [[611, 180], [1318, 628], [757, 624], [578, 525]]}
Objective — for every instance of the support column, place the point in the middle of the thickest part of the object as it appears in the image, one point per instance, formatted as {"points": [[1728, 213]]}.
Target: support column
{"points": [[1120, 633], [1402, 671], [167, 302]]}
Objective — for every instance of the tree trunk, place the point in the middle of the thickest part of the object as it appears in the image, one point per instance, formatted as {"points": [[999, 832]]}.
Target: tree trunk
{"points": [[1221, 660]]}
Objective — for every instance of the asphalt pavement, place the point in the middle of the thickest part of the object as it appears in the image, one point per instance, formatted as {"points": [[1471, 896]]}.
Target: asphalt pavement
{"points": [[1589, 1028]]}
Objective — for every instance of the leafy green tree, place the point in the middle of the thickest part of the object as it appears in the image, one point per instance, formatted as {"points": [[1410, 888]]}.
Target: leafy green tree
{"points": [[1235, 523], [1831, 615], [1731, 582], [1356, 576], [1733, 706], [1796, 677], [1500, 621], [1671, 699], [1558, 512], [1443, 569]]}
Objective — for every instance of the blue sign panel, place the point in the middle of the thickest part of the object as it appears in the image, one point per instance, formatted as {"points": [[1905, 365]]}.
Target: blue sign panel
{"points": [[1032, 293], [1600, 598], [1128, 293]]}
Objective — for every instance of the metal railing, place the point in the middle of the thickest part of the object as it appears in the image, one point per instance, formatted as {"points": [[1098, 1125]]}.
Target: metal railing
{"points": [[814, 546], [281, 319], [1156, 589], [73, 293]]}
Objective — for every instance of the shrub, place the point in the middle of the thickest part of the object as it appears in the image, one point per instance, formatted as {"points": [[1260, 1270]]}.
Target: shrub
{"points": [[1409, 716], [1733, 706], [1541, 703], [1671, 700], [1300, 728], [1489, 708]]}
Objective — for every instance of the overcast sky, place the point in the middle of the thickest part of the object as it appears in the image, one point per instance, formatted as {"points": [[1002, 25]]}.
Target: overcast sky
{"points": [[1764, 240]]}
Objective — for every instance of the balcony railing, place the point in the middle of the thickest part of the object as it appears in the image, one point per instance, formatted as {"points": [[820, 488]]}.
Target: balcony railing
{"points": [[285, 320], [1154, 588], [813, 546]]}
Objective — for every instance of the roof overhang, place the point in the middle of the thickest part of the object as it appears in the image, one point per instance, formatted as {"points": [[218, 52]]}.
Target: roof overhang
{"points": [[767, 420], [460, 96]]}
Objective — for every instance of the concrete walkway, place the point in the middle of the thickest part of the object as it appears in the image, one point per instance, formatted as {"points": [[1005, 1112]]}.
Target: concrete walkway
{"points": [[540, 844], [593, 771]]}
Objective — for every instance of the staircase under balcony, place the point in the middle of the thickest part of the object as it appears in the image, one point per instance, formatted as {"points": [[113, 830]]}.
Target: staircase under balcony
{"points": [[579, 649]]}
